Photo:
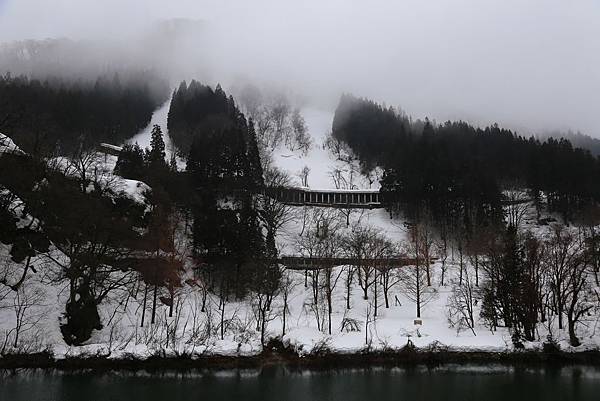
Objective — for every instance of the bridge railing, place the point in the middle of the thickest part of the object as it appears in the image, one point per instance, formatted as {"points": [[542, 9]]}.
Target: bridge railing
{"points": [[313, 263], [328, 198]]}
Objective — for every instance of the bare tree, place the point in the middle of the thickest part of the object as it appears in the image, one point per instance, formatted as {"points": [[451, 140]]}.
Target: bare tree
{"points": [[346, 213], [475, 246], [26, 303], [330, 249], [389, 278], [87, 166], [223, 297], [344, 180], [568, 269], [304, 218], [461, 305], [266, 290], [303, 174], [414, 284], [299, 138], [264, 127], [339, 150], [441, 251], [321, 242], [563, 253], [516, 207], [369, 318], [421, 237], [280, 110], [590, 225], [288, 284], [460, 243], [275, 214], [361, 245], [93, 259], [350, 271], [175, 258], [414, 281]]}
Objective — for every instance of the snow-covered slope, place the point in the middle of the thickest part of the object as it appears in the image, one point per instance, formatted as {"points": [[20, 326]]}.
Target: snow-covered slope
{"points": [[317, 159], [159, 117], [194, 329], [320, 162]]}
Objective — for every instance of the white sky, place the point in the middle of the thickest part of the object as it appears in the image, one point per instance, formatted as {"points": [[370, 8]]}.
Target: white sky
{"points": [[531, 64]]}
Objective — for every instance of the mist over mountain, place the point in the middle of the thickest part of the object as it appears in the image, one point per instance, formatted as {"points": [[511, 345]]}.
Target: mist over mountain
{"points": [[577, 139], [234, 182], [89, 58], [530, 66]]}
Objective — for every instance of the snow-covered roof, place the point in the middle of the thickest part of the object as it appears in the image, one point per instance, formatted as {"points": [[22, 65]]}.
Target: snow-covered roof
{"points": [[334, 190], [111, 147], [8, 146]]}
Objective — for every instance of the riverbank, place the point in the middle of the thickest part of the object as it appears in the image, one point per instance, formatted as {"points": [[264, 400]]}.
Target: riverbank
{"points": [[283, 357]]}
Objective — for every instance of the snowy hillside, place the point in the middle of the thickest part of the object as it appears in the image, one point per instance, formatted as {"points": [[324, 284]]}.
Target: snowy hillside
{"points": [[205, 324]]}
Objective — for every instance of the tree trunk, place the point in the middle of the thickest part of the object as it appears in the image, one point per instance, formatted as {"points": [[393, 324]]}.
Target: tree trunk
{"points": [[329, 310], [476, 271], [364, 284], [386, 289], [144, 307], [460, 278], [262, 327], [443, 272], [154, 304], [329, 296], [573, 340], [285, 310], [375, 293], [418, 293], [172, 302], [349, 287], [222, 318], [559, 312], [204, 296]]}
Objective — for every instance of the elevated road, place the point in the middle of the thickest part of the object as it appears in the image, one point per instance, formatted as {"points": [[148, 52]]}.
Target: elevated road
{"points": [[340, 198]]}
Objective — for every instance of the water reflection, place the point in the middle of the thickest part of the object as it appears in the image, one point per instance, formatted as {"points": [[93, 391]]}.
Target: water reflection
{"points": [[449, 382]]}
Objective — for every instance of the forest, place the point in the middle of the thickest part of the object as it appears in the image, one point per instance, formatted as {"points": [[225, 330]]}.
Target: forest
{"points": [[484, 234], [57, 115], [458, 171]]}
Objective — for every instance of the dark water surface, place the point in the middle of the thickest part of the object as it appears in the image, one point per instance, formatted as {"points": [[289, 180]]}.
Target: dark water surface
{"points": [[278, 383]]}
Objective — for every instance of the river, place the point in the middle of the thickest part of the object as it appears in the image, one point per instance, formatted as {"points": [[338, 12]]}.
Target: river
{"points": [[278, 383]]}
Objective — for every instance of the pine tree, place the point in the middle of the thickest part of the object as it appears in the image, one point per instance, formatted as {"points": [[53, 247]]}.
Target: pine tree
{"points": [[255, 166], [156, 155], [173, 163], [131, 162]]}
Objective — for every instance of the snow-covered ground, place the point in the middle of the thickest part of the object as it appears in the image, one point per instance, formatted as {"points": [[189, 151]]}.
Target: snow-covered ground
{"points": [[194, 331], [319, 125], [158, 118], [321, 164], [318, 160]]}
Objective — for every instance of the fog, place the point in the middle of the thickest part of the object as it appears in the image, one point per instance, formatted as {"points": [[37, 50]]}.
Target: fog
{"points": [[531, 65]]}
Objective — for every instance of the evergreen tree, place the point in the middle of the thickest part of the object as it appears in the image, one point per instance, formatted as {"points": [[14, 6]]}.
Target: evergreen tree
{"points": [[459, 171], [130, 163], [156, 155], [53, 115], [173, 163], [255, 166]]}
